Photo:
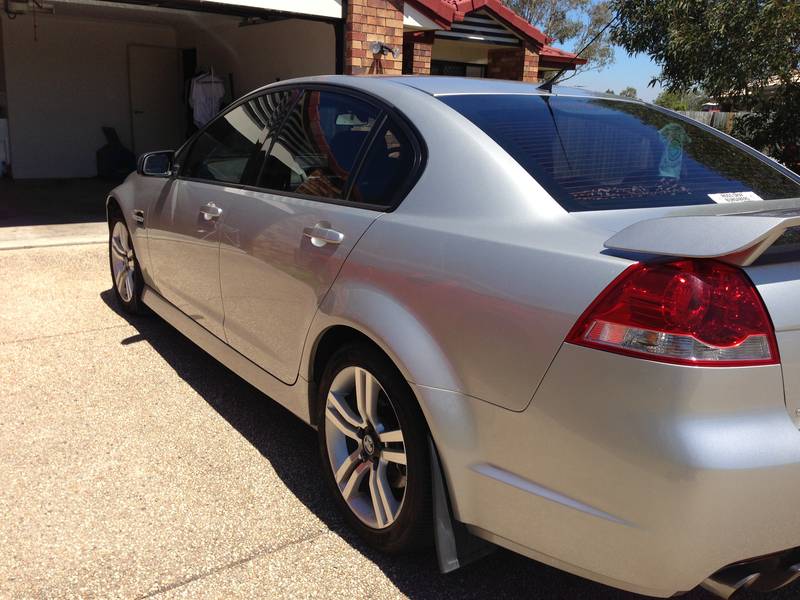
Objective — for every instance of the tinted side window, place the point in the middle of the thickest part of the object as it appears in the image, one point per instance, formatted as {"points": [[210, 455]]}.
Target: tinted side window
{"points": [[318, 145], [386, 167], [227, 147]]}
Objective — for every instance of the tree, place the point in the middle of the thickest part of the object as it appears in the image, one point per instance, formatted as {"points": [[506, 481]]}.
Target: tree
{"points": [[572, 23], [691, 100], [629, 92], [671, 100], [744, 53]]}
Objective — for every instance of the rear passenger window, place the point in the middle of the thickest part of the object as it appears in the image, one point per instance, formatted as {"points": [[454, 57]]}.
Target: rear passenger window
{"points": [[317, 147], [227, 147], [386, 168]]}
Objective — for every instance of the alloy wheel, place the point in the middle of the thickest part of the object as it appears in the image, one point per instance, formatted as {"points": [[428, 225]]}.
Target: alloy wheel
{"points": [[123, 265], [365, 446]]}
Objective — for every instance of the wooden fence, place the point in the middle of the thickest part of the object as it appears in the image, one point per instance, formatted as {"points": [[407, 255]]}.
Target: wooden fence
{"points": [[718, 120]]}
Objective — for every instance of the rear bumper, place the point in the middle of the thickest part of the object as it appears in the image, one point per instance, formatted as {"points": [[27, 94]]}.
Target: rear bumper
{"points": [[645, 476]]}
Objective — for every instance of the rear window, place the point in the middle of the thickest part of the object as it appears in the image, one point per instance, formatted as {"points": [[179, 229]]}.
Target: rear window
{"points": [[599, 154]]}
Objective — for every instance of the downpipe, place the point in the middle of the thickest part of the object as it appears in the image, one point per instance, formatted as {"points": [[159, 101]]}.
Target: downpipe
{"points": [[763, 574]]}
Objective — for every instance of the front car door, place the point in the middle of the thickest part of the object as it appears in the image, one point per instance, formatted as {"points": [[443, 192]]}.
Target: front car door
{"points": [[285, 239], [184, 223]]}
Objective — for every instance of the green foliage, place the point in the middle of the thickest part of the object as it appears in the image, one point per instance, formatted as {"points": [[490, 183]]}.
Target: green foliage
{"points": [[671, 100], [774, 127], [745, 53], [572, 23], [629, 92], [691, 100]]}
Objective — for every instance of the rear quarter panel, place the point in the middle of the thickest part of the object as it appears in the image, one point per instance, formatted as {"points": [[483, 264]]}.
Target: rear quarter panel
{"points": [[482, 315]]}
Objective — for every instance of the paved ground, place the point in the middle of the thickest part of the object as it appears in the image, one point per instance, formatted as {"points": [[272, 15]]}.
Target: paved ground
{"points": [[132, 465], [62, 234]]}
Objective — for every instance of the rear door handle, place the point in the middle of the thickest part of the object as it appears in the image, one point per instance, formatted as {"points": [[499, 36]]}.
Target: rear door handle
{"points": [[211, 212], [321, 235]]}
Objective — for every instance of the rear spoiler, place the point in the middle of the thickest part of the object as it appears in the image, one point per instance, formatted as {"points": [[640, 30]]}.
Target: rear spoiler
{"points": [[738, 239]]}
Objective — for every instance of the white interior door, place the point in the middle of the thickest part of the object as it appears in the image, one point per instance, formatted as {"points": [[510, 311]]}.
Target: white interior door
{"points": [[156, 97]]}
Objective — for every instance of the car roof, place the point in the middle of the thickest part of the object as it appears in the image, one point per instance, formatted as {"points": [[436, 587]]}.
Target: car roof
{"points": [[444, 86]]}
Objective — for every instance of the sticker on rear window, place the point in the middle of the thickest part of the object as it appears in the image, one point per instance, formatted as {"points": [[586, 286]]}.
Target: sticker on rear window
{"points": [[732, 197]]}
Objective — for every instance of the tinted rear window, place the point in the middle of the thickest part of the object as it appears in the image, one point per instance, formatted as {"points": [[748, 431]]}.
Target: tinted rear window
{"points": [[598, 154]]}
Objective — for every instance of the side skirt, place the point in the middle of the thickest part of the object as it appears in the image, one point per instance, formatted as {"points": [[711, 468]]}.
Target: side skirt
{"points": [[292, 397]]}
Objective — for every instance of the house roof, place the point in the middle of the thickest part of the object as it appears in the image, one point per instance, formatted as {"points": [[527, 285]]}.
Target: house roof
{"points": [[446, 12], [551, 55]]}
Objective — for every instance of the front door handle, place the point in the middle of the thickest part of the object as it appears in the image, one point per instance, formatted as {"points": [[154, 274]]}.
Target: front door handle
{"points": [[211, 212], [321, 235]]}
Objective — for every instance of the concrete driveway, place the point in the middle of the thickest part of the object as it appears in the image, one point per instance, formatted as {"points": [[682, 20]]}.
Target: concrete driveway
{"points": [[133, 465]]}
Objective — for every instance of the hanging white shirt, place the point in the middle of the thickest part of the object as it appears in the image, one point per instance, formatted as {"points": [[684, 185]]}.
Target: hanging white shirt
{"points": [[205, 98]]}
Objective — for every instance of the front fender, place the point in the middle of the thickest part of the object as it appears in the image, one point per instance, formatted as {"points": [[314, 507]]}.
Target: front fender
{"points": [[137, 194]]}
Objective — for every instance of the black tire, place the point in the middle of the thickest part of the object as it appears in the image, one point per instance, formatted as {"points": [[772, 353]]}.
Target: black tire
{"points": [[133, 305], [413, 526]]}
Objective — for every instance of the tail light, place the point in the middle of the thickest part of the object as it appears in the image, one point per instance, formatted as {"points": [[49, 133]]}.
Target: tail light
{"points": [[692, 312]]}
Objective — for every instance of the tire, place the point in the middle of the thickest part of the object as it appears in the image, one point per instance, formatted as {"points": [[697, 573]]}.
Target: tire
{"points": [[363, 446], [126, 275]]}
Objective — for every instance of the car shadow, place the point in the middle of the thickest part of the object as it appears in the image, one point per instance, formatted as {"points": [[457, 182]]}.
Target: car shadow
{"points": [[53, 201], [290, 447]]}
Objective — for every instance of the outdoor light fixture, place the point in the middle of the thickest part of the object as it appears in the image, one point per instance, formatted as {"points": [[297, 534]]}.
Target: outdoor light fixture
{"points": [[383, 49]]}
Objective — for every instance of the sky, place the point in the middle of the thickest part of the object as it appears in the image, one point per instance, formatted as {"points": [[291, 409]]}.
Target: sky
{"points": [[635, 71]]}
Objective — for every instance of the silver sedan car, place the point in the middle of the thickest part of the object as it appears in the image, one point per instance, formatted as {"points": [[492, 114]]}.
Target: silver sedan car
{"points": [[559, 322]]}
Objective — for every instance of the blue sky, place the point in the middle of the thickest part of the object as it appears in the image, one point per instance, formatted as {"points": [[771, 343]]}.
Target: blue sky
{"points": [[636, 71]]}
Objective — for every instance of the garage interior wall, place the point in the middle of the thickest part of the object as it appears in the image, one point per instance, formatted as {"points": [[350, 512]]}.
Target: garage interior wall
{"points": [[67, 84], [260, 54], [62, 88]]}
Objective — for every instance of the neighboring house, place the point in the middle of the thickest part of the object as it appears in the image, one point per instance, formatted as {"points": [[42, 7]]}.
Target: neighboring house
{"points": [[70, 67], [710, 107]]}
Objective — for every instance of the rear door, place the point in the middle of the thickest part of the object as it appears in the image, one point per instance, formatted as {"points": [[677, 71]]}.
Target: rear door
{"points": [[184, 224], [285, 240]]}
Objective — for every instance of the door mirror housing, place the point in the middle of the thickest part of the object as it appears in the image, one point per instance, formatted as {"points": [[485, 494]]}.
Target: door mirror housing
{"points": [[156, 164]]}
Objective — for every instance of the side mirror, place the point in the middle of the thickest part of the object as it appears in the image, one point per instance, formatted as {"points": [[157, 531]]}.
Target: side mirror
{"points": [[156, 164]]}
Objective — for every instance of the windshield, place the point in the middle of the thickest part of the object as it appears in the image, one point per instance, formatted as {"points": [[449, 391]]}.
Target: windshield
{"points": [[602, 154]]}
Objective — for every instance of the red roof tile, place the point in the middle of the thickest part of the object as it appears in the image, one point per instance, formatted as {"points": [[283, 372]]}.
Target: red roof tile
{"points": [[557, 55]]}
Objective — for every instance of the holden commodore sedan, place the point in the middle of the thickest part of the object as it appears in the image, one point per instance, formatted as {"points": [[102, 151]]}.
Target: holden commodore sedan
{"points": [[563, 323]]}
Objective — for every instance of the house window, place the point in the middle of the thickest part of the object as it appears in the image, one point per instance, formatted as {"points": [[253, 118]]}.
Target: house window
{"points": [[457, 69]]}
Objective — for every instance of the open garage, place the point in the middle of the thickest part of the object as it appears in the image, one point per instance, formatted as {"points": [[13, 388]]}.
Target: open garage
{"points": [[80, 76]]}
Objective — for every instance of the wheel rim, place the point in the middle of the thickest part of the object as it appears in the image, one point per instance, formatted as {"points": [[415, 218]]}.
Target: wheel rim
{"points": [[366, 447], [122, 262]]}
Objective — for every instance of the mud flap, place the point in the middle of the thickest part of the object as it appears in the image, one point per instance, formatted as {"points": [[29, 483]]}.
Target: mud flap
{"points": [[455, 546]]}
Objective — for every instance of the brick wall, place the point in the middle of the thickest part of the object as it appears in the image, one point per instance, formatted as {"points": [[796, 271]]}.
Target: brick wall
{"points": [[505, 63], [373, 21], [514, 63], [530, 67], [417, 52]]}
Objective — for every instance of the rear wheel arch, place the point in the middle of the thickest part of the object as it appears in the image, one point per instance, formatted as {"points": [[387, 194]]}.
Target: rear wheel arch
{"points": [[326, 345]]}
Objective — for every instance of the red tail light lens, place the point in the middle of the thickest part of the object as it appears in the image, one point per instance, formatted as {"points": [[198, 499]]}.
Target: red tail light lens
{"points": [[694, 312]]}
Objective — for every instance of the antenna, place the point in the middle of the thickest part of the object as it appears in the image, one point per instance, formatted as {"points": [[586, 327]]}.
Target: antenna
{"points": [[548, 85]]}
